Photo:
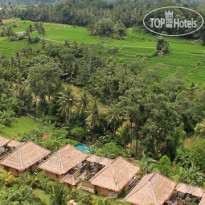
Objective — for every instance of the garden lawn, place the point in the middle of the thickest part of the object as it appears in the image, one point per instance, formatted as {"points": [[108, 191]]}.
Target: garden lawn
{"points": [[22, 125]]}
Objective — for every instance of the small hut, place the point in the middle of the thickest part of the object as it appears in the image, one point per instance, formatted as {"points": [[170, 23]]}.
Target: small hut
{"points": [[114, 178], [67, 159], [153, 189], [70, 180], [202, 202], [3, 142], [185, 191], [25, 158]]}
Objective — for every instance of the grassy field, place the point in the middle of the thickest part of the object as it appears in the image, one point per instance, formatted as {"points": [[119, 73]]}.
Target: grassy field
{"points": [[184, 58], [19, 126]]}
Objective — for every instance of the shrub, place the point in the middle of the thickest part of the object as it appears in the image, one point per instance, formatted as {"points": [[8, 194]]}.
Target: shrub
{"points": [[164, 166], [110, 150], [162, 46], [78, 132]]}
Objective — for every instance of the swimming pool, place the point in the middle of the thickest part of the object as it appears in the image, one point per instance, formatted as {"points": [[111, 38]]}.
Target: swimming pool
{"points": [[83, 148]]}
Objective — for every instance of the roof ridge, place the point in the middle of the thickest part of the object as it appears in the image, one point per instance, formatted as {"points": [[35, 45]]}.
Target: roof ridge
{"points": [[61, 165], [115, 178], [150, 184], [129, 195], [20, 156]]}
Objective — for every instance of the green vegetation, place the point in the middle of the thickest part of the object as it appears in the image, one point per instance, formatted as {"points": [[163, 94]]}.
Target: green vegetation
{"points": [[185, 58], [19, 126], [101, 81]]}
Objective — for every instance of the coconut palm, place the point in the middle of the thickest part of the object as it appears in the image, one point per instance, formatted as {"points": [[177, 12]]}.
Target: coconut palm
{"points": [[114, 118], [83, 102], [66, 102], [18, 84], [93, 120]]}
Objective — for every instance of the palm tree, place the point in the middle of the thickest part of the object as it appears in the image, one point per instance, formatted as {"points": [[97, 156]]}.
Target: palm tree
{"points": [[83, 103], [93, 120], [18, 84], [114, 118], [191, 175], [58, 195], [66, 102], [147, 164]]}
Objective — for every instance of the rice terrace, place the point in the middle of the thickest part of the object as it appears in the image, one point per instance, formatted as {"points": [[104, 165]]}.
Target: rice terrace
{"points": [[185, 58], [102, 102]]}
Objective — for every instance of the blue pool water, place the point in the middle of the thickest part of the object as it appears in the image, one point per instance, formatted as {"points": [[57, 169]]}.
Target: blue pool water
{"points": [[83, 148]]}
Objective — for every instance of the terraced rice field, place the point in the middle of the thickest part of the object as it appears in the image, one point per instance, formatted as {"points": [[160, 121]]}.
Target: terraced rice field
{"points": [[186, 57]]}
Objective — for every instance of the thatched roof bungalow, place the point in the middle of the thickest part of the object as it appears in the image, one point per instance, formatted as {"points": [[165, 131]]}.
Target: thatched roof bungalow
{"points": [[99, 160], [3, 141], [184, 189], [63, 161], [25, 158], [152, 189], [70, 180], [115, 177], [202, 202]]}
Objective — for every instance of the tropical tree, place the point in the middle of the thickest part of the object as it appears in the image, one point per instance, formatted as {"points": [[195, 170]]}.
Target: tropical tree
{"points": [[58, 195], [200, 129], [7, 178], [147, 164], [66, 102], [191, 175], [197, 153], [114, 119], [6, 118], [164, 166], [44, 79], [83, 103], [93, 120]]}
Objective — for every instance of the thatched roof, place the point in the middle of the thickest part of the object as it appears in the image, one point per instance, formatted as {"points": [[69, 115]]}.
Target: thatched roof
{"points": [[202, 202], [115, 175], [196, 191], [183, 188], [153, 189], [25, 156], [63, 160], [100, 160], [70, 179], [3, 141], [188, 189], [14, 143]]}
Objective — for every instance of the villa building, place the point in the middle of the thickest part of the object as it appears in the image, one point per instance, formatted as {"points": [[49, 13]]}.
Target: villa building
{"points": [[67, 160], [152, 189], [25, 158]]}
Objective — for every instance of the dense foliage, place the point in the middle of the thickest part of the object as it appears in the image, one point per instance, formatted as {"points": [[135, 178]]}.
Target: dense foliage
{"points": [[139, 108], [104, 18], [82, 94]]}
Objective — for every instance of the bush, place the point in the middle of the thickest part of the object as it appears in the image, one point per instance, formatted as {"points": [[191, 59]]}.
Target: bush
{"points": [[61, 133], [110, 150], [198, 154], [78, 132], [164, 166], [106, 27], [34, 40], [162, 46]]}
